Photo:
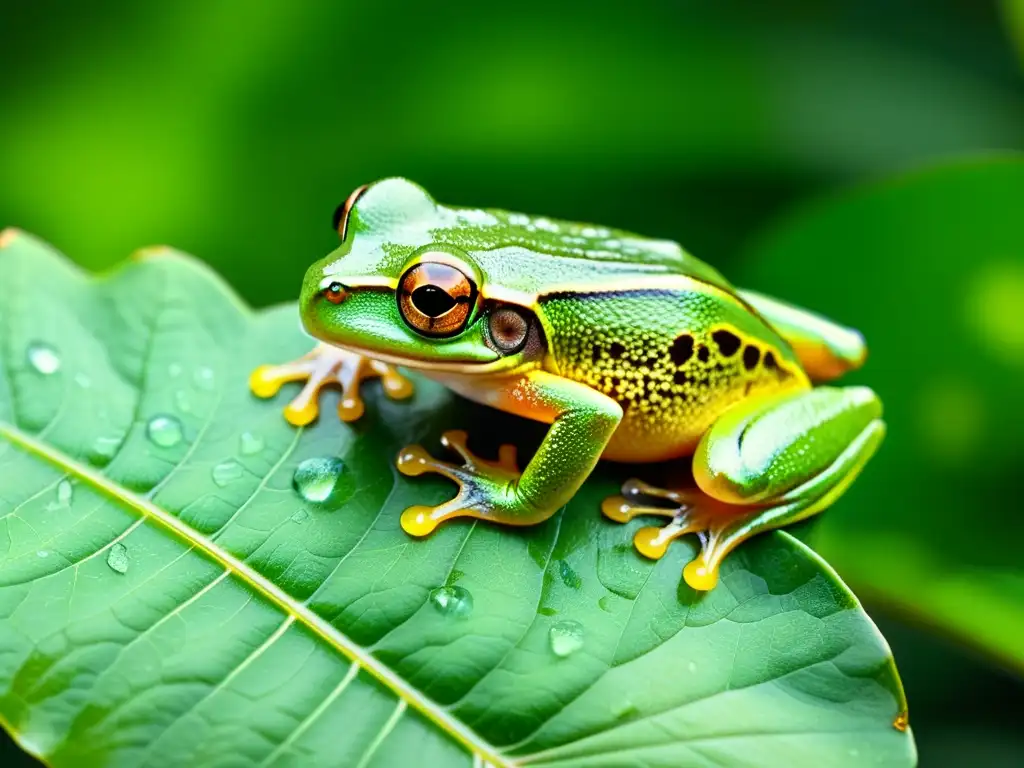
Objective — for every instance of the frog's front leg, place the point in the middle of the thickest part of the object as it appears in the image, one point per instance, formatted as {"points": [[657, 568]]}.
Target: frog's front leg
{"points": [[326, 365], [765, 464], [582, 422]]}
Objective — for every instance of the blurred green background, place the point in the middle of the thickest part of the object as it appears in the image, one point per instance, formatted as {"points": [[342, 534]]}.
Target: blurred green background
{"points": [[232, 130]]}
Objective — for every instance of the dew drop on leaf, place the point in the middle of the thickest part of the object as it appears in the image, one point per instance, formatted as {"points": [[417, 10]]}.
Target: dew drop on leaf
{"points": [[566, 637], [183, 401], [569, 577], [105, 446], [43, 358], [203, 378], [227, 472], [117, 558], [43, 553], [323, 480], [174, 370], [164, 431], [456, 602], [249, 443], [64, 493]]}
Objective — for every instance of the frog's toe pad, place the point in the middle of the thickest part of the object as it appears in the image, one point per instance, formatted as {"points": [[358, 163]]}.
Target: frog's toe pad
{"points": [[693, 513], [327, 365], [483, 485]]}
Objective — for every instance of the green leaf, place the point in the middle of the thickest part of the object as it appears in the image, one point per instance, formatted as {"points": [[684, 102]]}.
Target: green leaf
{"points": [[1013, 12], [930, 267], [167, 598]]}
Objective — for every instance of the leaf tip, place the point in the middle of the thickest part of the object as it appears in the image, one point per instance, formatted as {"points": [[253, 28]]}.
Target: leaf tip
{"points": [[9, 235], [153, 252]]}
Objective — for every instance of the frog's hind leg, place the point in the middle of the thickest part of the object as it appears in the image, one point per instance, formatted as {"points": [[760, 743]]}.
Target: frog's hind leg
{"points": [[766, 463], [327, 365]]}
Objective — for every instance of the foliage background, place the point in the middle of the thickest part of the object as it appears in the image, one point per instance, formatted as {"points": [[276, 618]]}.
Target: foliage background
{"points": [[232, 130]]}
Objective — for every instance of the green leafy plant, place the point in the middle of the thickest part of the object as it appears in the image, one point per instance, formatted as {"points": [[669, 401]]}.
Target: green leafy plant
{"points": [[185, 578]]}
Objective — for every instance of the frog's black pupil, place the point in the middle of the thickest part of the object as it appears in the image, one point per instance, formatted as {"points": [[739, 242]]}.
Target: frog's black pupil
{"points": [[335, 288], [432, 301]]}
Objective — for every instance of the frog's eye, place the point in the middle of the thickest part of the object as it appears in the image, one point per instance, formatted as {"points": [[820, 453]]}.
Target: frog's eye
{"points": [[436, 299], [508, 329], [341, 213], [334, 293]]}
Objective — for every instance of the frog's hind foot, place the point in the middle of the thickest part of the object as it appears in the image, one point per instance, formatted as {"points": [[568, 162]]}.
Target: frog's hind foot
{"points": [[327, 365], [691, 511], [487, 489]]}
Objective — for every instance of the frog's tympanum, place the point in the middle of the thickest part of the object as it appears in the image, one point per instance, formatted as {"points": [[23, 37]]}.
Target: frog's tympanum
{"points": [[630, 348]]}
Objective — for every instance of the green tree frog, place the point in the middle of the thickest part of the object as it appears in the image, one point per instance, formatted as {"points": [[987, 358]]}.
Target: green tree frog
{"points": [[630, 348]]}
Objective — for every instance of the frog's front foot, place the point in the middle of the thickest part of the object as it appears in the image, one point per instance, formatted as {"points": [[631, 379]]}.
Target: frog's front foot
{"points": [[323, 366], [691, 511], [487, 489]]}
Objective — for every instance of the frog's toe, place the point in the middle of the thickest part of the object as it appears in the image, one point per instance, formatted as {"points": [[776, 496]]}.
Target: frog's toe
{"points": [[327, 365], [484, 485], [712, 521]]}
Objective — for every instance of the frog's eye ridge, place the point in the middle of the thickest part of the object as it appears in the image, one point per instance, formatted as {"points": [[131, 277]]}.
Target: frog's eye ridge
{"points": [[340, 219], [436, 299]]}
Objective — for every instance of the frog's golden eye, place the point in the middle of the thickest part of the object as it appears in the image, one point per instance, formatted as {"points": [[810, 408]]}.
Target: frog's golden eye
{"points": [[436, 299], [341, 213]]}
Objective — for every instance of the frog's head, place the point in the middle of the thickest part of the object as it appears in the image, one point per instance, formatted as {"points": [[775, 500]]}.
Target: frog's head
{"points": [[402, 287]]}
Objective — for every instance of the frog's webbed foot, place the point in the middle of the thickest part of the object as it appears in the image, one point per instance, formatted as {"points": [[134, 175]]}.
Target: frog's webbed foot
{"points": [[327, 365], [691, 511], [487, 489]]}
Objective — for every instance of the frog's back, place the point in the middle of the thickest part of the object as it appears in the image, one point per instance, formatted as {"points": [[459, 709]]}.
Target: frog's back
{"points": [[674, 358], [535, 255]]}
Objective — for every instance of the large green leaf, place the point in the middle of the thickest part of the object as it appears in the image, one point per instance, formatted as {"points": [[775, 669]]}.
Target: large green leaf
{"points": [[930, 266], [171, 600]]}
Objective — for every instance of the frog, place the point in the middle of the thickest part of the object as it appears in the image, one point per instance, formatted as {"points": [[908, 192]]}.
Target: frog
{"points": [[630, 349]]}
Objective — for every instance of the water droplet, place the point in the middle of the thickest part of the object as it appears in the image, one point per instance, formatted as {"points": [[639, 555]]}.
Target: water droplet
{"points": [[566, 637], [203, 378], [452, 601], [183, 401], [64, 493], [105, 446], [692, 666], [83, 381], [174, 370], [117, 558], [43, 358], [301, 516], [164, 431], [624, 709], [43, 553], [569, 577], [323, 480], [606, 604], [547, 611], [249, 443], [227, 472]]}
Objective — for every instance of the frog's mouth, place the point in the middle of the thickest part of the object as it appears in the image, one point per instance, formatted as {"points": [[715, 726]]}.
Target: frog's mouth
{"points": [[502, 365]]}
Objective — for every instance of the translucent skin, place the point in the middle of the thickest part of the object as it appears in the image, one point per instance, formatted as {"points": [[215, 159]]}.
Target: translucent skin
{"points": [[636, 351]]}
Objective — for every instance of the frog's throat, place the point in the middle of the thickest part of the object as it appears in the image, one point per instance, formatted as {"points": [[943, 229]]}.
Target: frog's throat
{"points": [[510, 364]]}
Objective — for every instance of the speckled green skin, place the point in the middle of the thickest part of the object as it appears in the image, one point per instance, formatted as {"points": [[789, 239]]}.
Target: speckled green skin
{"points": [[673, 360]]}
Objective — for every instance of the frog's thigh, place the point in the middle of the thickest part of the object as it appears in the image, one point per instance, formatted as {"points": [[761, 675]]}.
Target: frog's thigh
{"points": [[782, 459]]}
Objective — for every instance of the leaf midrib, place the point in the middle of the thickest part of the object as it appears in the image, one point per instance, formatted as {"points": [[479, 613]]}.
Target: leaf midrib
{"points": [[265, 587]]}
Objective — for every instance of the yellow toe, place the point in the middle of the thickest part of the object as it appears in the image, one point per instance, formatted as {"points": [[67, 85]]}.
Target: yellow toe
{"points": [[264, 382], [416, 521], [650, 542], [700, 576]]}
